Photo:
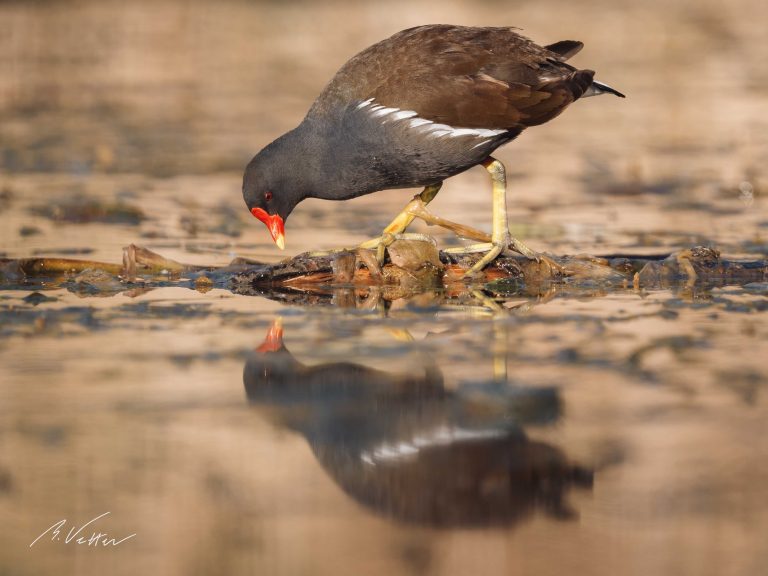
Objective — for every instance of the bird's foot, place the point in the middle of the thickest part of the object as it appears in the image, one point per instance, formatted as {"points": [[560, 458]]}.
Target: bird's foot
{"points": [[494, 249], [385, 240], [379, 244], [520, 248]]}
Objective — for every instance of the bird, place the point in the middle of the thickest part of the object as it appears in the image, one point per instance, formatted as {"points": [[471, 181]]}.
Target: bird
{"points": [[412, 111]]}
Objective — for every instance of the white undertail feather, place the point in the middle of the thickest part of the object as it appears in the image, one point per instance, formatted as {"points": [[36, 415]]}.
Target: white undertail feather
{"points": [[597, 88]]}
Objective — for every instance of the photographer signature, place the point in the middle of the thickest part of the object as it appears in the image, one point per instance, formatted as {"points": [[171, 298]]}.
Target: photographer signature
{"points": [[74, 534]]}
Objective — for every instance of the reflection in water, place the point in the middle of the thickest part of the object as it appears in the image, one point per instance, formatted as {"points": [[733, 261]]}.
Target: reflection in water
{"points": [[381, 298], [407, 447]]}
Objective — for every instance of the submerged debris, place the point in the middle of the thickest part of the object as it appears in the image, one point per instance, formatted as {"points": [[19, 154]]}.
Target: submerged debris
{"points": [[140, 261], [698, 264], [701, 265], [96, 281], [413, 267], [139, 265]]}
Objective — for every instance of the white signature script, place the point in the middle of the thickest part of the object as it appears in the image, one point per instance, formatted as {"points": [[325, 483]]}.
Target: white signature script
{"points": [[74, 534]]}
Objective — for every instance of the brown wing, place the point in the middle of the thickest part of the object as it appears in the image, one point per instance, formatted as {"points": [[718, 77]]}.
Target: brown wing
{"points": [[463, 77]]}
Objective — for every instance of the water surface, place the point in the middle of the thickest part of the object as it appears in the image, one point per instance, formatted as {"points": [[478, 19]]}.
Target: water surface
{"points": [[582, 429]]}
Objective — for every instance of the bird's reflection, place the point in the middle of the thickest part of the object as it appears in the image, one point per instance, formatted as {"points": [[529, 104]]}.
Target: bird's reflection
{"points": [[405, 446]]}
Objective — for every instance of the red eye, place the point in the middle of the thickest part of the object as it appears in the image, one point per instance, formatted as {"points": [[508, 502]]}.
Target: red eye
{"points": [[267, 196]]}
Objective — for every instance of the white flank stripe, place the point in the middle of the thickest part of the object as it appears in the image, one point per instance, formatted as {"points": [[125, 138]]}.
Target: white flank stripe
{"points": [[456, 132], [439, 133], [489, 133], [403, 114], [419, 122], [384, 112], [427, 126], [442, 127]]}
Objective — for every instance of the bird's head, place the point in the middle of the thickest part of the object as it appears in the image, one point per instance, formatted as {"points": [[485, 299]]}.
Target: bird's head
{"points": [[269, 194]]}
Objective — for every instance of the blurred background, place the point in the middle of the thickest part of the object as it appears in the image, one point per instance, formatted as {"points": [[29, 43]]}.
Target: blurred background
{"points": [[174, 92], [637, 419]]}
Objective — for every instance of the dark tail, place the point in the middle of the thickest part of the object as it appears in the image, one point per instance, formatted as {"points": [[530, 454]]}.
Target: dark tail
{"points": [[598, 88]]}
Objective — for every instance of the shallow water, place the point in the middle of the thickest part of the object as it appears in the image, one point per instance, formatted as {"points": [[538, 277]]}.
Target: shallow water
{"points": [[584, 429]]}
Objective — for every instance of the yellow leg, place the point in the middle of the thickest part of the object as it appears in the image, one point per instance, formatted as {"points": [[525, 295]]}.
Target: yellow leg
{"points": [[402, 220], [500, 236]]}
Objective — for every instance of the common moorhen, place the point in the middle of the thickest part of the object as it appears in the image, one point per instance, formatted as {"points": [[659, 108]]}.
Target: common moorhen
{"points": [[413, 110]]}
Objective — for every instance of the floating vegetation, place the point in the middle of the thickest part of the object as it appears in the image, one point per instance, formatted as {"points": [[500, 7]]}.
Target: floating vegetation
{"points": [[413, 267]]}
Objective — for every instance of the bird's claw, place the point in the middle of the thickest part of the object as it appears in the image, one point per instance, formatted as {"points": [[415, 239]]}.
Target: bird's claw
{"points": [[497, 248], [537, 257], [381, 249], [520, 248]]}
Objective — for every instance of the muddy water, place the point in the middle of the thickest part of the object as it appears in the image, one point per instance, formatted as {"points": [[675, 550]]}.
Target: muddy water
{"points": [[590, 430]]}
